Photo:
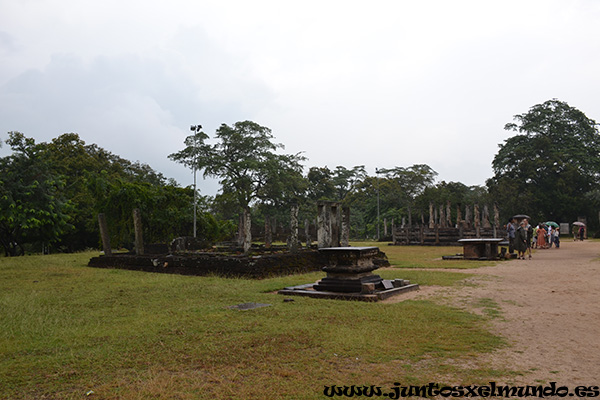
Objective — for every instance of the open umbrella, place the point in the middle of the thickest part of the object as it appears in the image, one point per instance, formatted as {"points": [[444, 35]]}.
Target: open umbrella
{"points": [[578, 223], [551, 223], [521, 216]]}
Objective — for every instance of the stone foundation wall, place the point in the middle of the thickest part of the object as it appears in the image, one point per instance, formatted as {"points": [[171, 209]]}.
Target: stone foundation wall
{"points": [[254, 266]]}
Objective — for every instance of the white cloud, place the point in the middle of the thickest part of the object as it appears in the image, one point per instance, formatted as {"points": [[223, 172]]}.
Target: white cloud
{"points": [[382, 84]]}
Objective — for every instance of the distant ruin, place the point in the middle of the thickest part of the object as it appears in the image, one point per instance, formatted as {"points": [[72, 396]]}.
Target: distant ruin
{"points": [[194, 256], [442, 231]]}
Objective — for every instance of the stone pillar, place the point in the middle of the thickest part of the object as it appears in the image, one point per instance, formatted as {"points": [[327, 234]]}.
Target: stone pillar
{"points": [[335, 224], [385, 227], [328, 222], [268, 232], [345, 236], [496, 216], [431, 220], [104, 235], [458, 217], [393, 231], [323, 225], [409, 216], [468, 217], [293, 240], [247, 231], [486, 217], [477, 218], [442, 217], [448, 215], [307, 233], [137, 227]]}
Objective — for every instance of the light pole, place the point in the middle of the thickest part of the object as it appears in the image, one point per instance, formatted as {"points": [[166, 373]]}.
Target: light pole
{"points": [[377, 173], [196, 129]]}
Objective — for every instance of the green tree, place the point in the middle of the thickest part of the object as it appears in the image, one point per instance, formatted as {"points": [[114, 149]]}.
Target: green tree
{"points": [[33, 209], [396, 188], [320, 184], [346, 180], [82, 166], [336, 185], [247, 164], [550, 166]]}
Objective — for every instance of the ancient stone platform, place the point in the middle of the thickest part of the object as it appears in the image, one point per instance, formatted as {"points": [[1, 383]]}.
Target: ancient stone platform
{"points": [[350, 277]]}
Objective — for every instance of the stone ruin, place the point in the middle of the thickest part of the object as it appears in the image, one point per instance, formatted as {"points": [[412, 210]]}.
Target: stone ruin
{"points": [[349, 269], [350, 277], [442, 231]]}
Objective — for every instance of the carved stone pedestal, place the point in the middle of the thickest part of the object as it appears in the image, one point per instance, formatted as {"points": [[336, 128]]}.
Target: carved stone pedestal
{"points": [[349, 268]]}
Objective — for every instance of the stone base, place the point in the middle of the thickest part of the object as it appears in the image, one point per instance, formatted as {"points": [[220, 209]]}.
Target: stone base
{"points": [[335, 284], [390, 289]]}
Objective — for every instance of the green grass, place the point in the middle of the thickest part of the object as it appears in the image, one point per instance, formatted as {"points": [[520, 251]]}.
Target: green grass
{"points": [[425, 256], [68, 329]]}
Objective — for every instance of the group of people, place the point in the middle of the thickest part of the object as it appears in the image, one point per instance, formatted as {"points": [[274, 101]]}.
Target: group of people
{"points": [[522, 237], [578, 232], [545, 236]]}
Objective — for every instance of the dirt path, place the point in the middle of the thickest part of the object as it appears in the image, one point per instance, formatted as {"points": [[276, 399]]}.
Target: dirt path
{"points": [[549, 312]]}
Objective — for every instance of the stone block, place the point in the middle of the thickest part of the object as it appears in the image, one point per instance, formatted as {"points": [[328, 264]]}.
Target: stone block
{"points": [[367, 288], [387, 285], [398, 282]]}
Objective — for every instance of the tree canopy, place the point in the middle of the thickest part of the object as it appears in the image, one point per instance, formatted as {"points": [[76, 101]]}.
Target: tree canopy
{"points": [[32, 205], [51, 193], [245, 160], [549, 167]]}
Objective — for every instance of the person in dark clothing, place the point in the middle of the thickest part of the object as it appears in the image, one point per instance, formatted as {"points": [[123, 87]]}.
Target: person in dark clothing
{"points": [[521, 240], [529, 229]]}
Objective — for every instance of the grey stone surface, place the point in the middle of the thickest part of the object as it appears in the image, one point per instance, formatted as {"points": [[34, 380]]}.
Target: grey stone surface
{"points": [[248, 306]]}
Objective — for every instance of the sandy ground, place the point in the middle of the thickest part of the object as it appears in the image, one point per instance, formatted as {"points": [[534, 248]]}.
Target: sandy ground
{"points": [[549, 313]]}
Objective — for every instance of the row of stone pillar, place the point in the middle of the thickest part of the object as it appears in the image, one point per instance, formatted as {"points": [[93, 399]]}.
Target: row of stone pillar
{"points": [[478, 219]]}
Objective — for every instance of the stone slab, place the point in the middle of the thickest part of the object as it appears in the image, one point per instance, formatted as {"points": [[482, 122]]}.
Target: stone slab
{"points": [[302, 290], [248, 306]]}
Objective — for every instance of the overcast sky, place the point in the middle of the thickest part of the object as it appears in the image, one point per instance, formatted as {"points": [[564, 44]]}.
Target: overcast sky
{"points": [[377, 83]]}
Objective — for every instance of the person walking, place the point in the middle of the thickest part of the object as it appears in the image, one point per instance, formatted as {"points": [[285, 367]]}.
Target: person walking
{"points": [[530, 235], [541, 239], [521, 240], [557, 238]]}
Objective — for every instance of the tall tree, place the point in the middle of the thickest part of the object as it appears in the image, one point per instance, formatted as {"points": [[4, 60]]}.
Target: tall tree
{"points": [[247, 163], [320, 184], [346, 180], [549, 167]]}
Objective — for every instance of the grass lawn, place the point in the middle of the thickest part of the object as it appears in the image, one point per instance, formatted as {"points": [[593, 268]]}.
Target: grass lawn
{"points": [[425, 256], [71, 332]]}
